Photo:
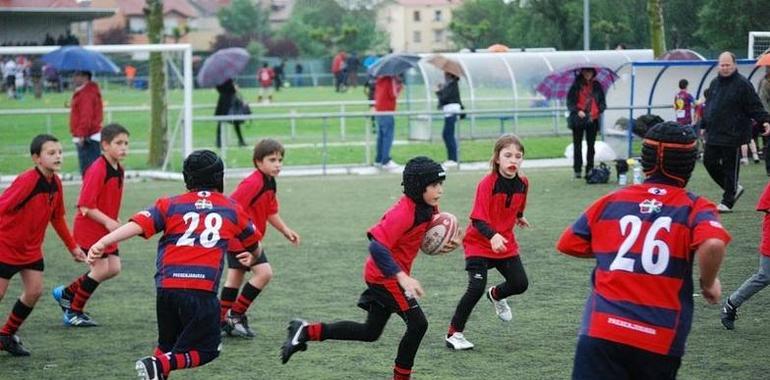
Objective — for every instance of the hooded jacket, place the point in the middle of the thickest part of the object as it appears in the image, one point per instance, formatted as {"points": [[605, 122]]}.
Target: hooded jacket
{"points": [[86, 112], [731, 105]]}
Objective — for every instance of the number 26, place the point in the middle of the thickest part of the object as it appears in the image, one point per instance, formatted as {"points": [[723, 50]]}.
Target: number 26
{"points": [[630, 227]]}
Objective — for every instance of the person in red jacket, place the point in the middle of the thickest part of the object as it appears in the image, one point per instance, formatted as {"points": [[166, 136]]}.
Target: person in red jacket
{"points": [[386, 92], [33, 200], [86, 118], [501, 197]]}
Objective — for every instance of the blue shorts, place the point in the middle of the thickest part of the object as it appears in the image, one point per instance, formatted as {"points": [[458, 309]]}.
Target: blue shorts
{"points": [[188, 320], [599, 359]]}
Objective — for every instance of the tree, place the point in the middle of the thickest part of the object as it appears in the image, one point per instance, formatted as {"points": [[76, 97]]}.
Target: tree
{"points": [[725, 24], [246, 19], [158, 107], [561, 21], [479, 23], [657, 27]]}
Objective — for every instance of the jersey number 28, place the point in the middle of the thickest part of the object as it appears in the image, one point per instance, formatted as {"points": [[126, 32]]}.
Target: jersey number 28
{"points": [[210, 234], [630, 227]]}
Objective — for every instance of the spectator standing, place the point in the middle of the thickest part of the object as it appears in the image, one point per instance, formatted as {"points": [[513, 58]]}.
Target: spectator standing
{"points": [[351, 68], [585, 101], [338, 66], [298, 69], [732, 104], [449, 101], [386, 92], [764, 97], [265, 77], [86, 113]]}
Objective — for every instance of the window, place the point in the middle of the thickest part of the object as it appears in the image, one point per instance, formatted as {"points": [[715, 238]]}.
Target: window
{"points": [[437, 15], [169, 24], [416, 16], [438, 35], [416, 37], [137, 25]]}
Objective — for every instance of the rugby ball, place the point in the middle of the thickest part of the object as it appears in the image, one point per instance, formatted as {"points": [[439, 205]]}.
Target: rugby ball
{"points": [[441, 230]]}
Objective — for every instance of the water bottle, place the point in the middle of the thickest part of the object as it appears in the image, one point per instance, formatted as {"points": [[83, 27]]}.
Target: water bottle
{"points": [[622, 179], [638, 174]]}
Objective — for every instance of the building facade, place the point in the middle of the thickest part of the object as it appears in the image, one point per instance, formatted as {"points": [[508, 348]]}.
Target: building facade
{"points": [[418, 26]]}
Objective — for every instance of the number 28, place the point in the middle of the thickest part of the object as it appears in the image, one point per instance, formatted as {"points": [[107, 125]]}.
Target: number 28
{"points": [[630, 227]]}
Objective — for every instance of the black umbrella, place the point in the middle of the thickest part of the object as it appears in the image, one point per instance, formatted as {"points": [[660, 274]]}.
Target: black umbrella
{"points": [[393, 64]]}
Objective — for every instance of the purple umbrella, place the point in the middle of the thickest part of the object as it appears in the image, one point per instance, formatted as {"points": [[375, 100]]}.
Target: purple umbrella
{"points": [[557, 84], [681, 55], [222, 65]]}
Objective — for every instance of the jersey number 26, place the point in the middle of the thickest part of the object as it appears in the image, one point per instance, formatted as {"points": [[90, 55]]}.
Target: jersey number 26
{"points": [[630, 227]]}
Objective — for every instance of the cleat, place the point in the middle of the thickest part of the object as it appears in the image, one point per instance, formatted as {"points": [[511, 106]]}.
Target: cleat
{"points": [[60, 296], [502, 309], [728, 315], [226, 329], [458, 342], [724, 209], [238, 325], [12, 345], [294, 340], [738, 192], [148, 368], [74, 319]]}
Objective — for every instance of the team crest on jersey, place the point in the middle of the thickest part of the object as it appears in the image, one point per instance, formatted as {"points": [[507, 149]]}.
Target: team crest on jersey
{"points": [[203, 204], [656, 191], [145, 214], [204, 194], [650, 206]]}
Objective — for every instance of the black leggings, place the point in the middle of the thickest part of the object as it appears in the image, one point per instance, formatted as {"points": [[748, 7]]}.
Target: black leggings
{"points": [[515, 283], [369, 331]]}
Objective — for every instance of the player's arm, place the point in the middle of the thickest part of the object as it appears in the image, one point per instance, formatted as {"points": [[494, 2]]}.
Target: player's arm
{"points": [[710, 254], [60, 226], [123, 232], [277, 222], [100, 217]]}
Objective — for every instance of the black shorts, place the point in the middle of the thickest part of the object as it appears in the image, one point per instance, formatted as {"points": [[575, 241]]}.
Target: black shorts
{"points": [[188, 320], [599, 359], [9, 270], [105, 254], [389, 296], [233, 263]]}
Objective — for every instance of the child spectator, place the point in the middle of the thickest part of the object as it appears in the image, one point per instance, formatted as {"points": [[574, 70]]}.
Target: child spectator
{"points": [[34, 199], [393, 246], [265, 76], [683, 104], [501, 197], [98, 206], [197, 227], [257, 194]]}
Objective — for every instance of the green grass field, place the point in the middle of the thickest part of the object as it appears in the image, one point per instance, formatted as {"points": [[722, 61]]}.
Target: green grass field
{"points": [[321, 280], [17, 130]]}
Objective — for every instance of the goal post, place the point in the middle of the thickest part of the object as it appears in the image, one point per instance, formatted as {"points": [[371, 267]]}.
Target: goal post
{"points": [[759, 42], [186, 75]]}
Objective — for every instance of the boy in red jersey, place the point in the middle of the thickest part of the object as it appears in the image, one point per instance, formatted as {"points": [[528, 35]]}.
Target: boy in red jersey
{"points": [[257, 195], [197, 227], [757, 281], [394, 242], [98, 206], [501, 197], [34, 199], [644, 238]]}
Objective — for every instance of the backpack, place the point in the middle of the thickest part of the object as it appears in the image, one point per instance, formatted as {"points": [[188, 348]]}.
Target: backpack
{"points": [[600, 174]]}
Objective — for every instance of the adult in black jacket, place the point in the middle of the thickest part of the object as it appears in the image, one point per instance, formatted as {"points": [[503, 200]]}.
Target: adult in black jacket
{"points": [[731, 106], [449, 102], [227, 97], [585, 101]]}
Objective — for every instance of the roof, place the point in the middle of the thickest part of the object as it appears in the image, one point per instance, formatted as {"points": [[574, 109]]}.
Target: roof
{"points": [[39, 4], [427, 2], [54, 8], [136, 7], [210, 7]]}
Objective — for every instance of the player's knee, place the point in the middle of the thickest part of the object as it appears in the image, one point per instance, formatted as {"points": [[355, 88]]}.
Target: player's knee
{"points": [[417, 325], [264, 273], [520, 285], [477, 285], [32, 294]]}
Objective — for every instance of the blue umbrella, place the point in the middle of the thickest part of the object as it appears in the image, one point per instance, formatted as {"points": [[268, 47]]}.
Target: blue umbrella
{"points": [[393, 64], [222, 65], [76, 58], [370, 60]]}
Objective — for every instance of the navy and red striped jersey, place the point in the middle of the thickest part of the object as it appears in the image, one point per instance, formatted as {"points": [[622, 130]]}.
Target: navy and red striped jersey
{"points": [[26, 208], [499, 203], [400, 230], [763, 205], [197, 227], [644, 238], [102, 190], [257, 195]]}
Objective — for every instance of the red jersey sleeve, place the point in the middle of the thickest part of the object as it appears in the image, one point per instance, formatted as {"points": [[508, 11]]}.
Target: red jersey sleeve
{"points": [[247, 233], [394, 224], [93, 183], [576, 239], [706, 224], [153, 219], [14, 194], [243, 194], [482, 201], [273, 209]]}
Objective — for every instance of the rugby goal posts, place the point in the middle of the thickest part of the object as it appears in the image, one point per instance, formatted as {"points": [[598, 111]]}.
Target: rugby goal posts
{"points": [[759, 42], [172, 54]]}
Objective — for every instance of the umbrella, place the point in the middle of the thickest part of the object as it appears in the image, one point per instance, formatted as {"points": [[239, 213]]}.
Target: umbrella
{"points": [[681, 55], [557, 84], [222, 65], [393, 64], [451, 66], [76, 58], [764, 60], [497, 48], [370, 60]]}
